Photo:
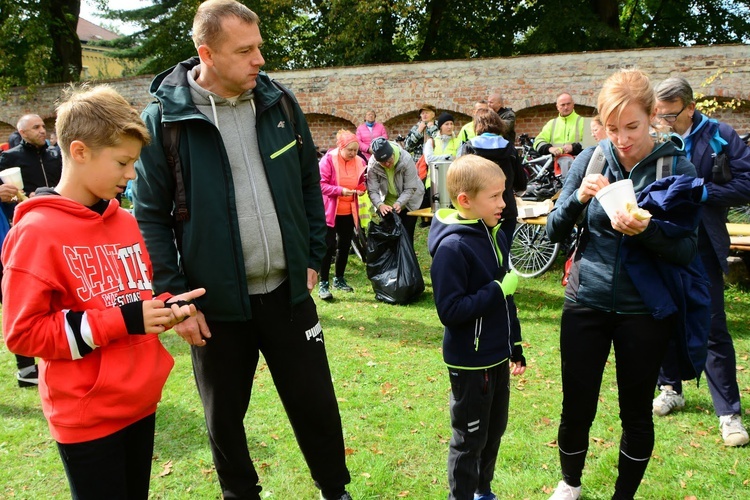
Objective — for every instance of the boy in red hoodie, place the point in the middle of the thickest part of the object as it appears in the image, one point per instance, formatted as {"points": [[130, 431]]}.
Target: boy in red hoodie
{"points": [[77, 290]]}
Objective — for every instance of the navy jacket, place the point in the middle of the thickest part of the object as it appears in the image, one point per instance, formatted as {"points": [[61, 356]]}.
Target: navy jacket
{"points": [[668, 288], [481, 324], [720, 196]]}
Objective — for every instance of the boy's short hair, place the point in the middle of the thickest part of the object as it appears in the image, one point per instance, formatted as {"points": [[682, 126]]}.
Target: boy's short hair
{"points": [[97, 116], [470, 174]]}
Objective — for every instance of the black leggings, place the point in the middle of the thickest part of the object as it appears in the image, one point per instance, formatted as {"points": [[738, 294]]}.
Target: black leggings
{"points": [[338, 240], [586, 337]]}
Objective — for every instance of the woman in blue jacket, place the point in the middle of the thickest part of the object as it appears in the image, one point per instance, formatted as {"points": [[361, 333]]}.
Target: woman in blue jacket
{"points": [[603, 307]]}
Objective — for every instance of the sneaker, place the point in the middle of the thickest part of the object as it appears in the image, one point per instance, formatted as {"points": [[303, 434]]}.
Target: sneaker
{"points": [[486, 496], [345, 496], [323, 291], [341, 284], [28, 377], [564, 491], [733, 431], [667, 402]]}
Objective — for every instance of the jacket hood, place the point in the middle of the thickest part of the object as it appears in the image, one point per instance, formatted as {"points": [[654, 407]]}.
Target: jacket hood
{"points": [[489, 141], [172, 89], [448, 222], [55, 202]]}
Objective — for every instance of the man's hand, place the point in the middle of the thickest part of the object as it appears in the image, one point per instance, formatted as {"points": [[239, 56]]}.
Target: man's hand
{"points": [[384, 209], [312, 278], [194, 330], [8, 192], [397, 207]]}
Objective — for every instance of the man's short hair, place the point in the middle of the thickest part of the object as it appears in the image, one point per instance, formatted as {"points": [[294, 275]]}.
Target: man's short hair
{"points": [[210, 14], [99, 117], [470, 174], [23, 121], [674, 89]]}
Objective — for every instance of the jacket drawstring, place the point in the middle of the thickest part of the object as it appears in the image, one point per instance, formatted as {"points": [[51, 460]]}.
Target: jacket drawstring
{"points": [[213, 108]]}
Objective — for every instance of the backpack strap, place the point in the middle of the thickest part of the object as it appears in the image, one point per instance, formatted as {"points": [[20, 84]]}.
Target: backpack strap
{"points": [[597, 162], [287, 105], [664, 167], [170, 138]]}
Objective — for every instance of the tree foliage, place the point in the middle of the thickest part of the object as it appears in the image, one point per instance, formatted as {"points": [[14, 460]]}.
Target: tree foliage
{"points": [[38, 42]]}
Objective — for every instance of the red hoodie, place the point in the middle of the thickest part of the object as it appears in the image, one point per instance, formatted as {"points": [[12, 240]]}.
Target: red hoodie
{"points": [[61, 257]]}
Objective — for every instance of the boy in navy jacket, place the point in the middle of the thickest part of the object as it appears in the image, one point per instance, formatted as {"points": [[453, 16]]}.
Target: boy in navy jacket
{"points": [[473, 290]]}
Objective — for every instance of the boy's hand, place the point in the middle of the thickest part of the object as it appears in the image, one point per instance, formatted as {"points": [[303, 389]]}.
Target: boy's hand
{"points": [[182, 306], [517, 361], [159, 317], [156, 317]]}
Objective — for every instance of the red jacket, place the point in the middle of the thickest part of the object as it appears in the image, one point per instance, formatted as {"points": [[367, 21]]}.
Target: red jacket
{"points": [[62, 257]]}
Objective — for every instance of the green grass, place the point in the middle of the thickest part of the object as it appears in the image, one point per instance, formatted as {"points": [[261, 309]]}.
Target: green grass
{"points": [[393, 392]]}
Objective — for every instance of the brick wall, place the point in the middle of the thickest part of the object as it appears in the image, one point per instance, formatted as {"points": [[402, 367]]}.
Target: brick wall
{"points": [[337, 98]]}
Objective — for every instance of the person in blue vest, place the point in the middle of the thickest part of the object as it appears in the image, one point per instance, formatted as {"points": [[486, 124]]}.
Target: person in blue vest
{"points": [[723, 161]]}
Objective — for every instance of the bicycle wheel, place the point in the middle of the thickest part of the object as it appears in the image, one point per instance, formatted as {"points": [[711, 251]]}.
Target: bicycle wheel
{"points": [[532, 253]]}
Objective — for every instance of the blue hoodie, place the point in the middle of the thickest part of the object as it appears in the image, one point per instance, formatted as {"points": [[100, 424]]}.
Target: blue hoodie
{"points": [[470, 260]]}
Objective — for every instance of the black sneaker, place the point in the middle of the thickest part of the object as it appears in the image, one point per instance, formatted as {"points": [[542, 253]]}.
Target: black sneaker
{"points": [[28, 377], [341, 284], [323, 291]]}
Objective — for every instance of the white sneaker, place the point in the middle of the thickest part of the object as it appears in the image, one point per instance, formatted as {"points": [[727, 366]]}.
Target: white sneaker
{"points": [[667, 402], [733, 431], [564, 491]]}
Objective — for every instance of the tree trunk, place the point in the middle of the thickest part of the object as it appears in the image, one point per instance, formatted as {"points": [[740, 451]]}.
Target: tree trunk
{"points": [[608, 12], [65, 64]]}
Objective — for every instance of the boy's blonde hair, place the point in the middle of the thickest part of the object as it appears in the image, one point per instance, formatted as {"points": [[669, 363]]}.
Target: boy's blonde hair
{"points": [[622, 88], [470, 174], [97, 116]]}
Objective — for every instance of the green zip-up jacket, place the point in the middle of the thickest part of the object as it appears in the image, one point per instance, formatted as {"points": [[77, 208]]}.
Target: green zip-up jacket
{"points": [[206, 251]]}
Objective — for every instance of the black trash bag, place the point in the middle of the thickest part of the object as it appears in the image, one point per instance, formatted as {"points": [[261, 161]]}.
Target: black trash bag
{"points": [[392, 265]]}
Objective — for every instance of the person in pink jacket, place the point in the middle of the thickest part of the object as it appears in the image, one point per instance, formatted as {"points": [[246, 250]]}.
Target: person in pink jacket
{"points": [[368, 131], [342, 180]]}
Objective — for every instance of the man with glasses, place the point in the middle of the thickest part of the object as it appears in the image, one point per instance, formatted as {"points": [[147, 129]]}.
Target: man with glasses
{"points": [[563, 134], [723, 161]]}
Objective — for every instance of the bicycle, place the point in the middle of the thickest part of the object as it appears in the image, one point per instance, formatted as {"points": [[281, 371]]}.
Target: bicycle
{"points": [[531, 251]]}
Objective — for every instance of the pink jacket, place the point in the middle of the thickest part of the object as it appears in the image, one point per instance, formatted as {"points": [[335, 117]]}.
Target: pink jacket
{"points": [[365, 137], [329, 186]]}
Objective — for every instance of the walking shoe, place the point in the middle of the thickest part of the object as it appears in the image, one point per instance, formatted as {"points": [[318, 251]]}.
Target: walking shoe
{"points": [[733, 431], [345, 496], [667, 402], [564, 491], [341, 284], [28, 377], [486, 496], [323, 291]]}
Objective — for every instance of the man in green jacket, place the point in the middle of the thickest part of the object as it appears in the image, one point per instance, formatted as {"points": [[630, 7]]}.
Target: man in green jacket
{"points": [[563, 134], [253, 235]]}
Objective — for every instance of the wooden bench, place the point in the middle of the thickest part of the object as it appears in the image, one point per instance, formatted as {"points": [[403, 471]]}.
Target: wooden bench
{"points": [[739, 237]]}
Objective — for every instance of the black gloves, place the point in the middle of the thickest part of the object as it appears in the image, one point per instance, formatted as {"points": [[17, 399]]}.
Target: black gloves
{"points": [[517, 355]]}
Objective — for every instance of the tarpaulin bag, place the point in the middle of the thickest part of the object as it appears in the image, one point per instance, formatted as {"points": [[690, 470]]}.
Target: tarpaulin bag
{"points": [[392, 265]]}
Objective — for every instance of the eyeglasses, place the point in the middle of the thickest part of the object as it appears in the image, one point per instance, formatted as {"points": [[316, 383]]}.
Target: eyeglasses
{"points": [[671, 118]]}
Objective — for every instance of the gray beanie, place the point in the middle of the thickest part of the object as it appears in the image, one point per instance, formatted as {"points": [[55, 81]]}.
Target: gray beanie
{"points": [[381, 149]]}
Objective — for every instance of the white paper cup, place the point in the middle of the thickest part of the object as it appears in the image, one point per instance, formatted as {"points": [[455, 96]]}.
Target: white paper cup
{"points": [[12, 176], [616, 196]]}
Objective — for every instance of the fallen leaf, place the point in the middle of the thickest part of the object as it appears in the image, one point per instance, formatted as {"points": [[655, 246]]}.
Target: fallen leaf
{"points": [[166, 469]]}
